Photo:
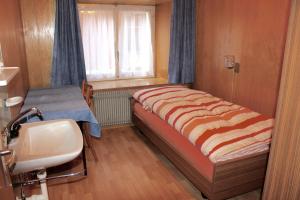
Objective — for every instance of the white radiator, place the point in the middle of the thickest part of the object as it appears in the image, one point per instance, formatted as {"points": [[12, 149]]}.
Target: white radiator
{"points": [[112, 107]]}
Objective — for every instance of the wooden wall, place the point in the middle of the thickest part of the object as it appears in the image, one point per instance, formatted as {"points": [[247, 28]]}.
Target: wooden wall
{"points": [[162, 38], [254, 32], [283, 177], [12, 41], [38, 21]]}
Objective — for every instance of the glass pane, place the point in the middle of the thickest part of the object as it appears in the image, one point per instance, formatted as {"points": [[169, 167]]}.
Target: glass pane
{"points": [[98, 36], [135, 44]]}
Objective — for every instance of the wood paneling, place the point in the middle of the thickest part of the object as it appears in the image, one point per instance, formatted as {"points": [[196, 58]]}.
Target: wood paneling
{"points": [[12, 40], [38, 21], [254, 32], [283, 178], [162, 38], [129, 2]]}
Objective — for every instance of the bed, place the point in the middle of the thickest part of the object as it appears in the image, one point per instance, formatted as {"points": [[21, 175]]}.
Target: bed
{"points": [[216, 177]]}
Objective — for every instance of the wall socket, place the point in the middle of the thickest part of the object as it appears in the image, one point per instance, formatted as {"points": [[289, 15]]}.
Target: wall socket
{"points": [[229, 61]]}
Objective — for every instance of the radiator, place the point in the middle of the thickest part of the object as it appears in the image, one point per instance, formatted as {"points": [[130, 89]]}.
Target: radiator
{"points": [[112, 107]]}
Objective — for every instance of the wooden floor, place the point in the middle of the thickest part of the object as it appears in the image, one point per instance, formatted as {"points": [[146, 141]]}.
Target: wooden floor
{"points": [[129, 168]]}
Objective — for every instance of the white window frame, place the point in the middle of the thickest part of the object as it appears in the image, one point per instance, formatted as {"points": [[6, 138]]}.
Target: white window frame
{"points": [[116, 9]]}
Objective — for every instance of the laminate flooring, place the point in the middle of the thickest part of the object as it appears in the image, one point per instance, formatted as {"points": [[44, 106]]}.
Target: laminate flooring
{"points": [[129, 168]]}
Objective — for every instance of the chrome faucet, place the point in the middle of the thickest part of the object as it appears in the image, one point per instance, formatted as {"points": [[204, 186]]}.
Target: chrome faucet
{"points": [[12, 128]]}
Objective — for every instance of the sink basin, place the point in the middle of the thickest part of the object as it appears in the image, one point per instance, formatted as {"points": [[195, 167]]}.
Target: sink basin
{"points": [[46, 144]]}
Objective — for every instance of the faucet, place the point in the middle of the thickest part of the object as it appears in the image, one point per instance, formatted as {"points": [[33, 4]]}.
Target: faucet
{"points": [[12, 128]]}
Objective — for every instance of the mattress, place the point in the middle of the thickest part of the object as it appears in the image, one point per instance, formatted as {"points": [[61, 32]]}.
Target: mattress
{"points": [[188, 151]]}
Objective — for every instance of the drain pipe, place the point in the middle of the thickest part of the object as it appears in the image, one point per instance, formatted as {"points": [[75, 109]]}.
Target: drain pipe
{"points": [[41, 176]]}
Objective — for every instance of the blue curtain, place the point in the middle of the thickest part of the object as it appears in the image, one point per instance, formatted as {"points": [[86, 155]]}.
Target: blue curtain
{"points": [[68, 66], [183, 38]]}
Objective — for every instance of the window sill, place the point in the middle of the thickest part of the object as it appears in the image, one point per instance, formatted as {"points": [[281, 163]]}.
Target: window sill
{"points": [[127, 83]]}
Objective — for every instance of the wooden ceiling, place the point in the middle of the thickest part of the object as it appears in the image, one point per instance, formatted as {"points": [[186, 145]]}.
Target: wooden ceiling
{"points": [[126, 2]]}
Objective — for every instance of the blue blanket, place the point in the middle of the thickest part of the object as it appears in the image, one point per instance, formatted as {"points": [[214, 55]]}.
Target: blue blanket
{"points": [[62, 103]]}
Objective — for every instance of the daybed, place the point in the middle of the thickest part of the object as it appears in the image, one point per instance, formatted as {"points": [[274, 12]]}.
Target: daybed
{"points": [[216, 180]]}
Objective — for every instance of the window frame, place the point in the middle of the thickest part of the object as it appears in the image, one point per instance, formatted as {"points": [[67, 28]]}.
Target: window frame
{"points": [[116, 9]]}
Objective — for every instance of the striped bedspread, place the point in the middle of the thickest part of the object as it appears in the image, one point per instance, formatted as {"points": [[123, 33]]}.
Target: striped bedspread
{"points": [[220, 129]]}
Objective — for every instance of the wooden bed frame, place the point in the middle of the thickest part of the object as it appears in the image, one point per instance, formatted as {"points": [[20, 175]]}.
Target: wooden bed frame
{"points": [[230, 178]]}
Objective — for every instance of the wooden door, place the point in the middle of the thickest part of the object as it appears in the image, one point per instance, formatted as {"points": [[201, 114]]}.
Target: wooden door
{"points": [[283, 174]]}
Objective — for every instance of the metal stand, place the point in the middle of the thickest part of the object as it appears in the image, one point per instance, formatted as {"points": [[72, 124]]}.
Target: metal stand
{"points": [[84, 161]]}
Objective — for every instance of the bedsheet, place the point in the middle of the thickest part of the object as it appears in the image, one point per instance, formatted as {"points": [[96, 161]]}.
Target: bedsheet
{"points": [[219, 129]]}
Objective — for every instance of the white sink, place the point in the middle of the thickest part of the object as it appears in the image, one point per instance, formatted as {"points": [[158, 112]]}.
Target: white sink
{"points": [[46, 144]]}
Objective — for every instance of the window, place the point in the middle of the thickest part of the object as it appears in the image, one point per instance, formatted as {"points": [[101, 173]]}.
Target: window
{"points": [[117, 41]]}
